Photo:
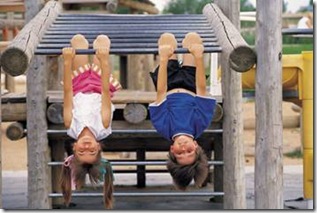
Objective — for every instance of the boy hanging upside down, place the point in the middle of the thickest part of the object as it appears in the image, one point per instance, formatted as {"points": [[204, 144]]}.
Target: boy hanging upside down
{"points": [[183, 109]]}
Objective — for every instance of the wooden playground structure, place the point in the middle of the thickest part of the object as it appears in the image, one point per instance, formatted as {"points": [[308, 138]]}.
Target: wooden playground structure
{"points": [[38, 114]]}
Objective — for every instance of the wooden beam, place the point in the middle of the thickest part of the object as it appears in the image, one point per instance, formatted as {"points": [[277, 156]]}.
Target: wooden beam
{"points": [[12, 7], [13, 112], [15, 131], [233, 147], [16, 58], [139, 6], [268, 183], [241, 56], [38, 152]]}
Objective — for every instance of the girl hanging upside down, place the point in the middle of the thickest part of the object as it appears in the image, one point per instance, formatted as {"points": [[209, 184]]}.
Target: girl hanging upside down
{"points": [[88, 114], [182, 110]]}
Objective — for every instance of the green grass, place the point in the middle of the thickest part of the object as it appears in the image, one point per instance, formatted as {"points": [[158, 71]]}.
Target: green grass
{"points": [[297, 48], [297, 153]]}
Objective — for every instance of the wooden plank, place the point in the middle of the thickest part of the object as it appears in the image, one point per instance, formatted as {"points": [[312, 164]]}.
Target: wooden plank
{"points": [[268, 105], [16, 58], [233, 146], [12, 7], [13, 112], [120, 97]]}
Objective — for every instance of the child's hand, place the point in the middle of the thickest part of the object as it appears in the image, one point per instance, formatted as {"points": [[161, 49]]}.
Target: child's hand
{"points": [[102, 54], [68, 53], [197, 50], [165, 51]]}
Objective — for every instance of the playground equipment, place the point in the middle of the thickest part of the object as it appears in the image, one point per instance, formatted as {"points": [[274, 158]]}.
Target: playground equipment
{"points": [[297, 88], [130, 34], [40, 132]]}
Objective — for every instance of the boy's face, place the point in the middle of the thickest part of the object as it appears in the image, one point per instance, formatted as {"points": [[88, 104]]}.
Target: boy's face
{"points": [[87, 149], [184, 149]]}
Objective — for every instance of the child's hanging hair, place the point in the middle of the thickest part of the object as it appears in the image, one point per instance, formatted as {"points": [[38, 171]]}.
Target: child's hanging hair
{"points": [[74, 174], [183, 174]]}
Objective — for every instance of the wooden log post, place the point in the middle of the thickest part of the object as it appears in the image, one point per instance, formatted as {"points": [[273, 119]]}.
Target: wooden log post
{"points": [[15, 131], [139, 65], [268, 107], [38, 152], [138, 77], [233, 146], [112, 5], [54, 113], [17, 57], [241, 56], [135, 113]]}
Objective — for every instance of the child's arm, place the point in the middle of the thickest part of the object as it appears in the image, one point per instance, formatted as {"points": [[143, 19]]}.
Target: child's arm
{"points": [[68, 55], [103, 56], [197, 50]]}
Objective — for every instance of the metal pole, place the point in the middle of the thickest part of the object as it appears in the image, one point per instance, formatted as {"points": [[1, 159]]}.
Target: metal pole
{"points": [[138, 163], [143, 194]]}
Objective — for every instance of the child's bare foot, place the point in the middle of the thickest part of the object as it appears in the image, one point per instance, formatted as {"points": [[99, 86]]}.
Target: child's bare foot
{"points": [[167, 45], [194, 44], [79, 42], [102, 42]]}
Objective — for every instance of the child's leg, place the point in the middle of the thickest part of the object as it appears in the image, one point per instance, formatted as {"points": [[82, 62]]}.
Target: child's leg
{"points": [[102, 46], [190, 38], [114, 83], [167, 44], [194, 43], [79, 42]]}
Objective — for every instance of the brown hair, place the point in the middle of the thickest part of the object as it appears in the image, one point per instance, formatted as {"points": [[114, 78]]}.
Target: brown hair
{"points": [[93, 170], [183, 174]]}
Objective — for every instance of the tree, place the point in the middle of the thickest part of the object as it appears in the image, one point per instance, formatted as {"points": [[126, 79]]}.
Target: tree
{"points": [[185, 6], [245, 5]]}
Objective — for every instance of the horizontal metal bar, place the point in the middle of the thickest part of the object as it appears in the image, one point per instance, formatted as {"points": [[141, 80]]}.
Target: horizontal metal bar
{"points": [[130, 131], [123, 32], [143, 194], [118, 40], [71, 16], [128, 21], [298, 31], [138, 163], [119, 45], [65, 14], [125, 28], [124, 25], [121, 51], [125, 36]]}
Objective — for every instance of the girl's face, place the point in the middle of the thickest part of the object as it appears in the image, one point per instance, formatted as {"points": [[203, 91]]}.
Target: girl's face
{"points": [[184, 149], [86, 149]]}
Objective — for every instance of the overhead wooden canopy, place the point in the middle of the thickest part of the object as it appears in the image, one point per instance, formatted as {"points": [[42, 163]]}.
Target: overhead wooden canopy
{"points": [[129, 34], [51, 30]]}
